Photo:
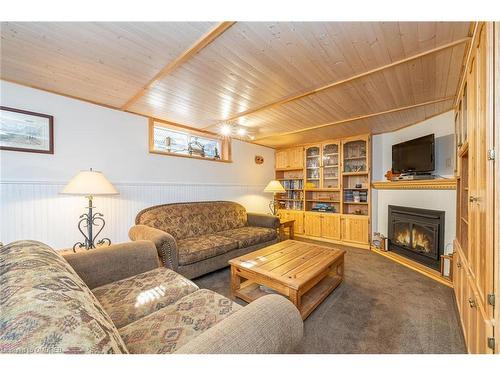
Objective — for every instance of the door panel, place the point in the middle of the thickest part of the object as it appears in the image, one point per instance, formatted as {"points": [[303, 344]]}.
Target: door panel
{"points": [[298, 216], [281, 159], [330, 226], [355, 229], [312, 224]]}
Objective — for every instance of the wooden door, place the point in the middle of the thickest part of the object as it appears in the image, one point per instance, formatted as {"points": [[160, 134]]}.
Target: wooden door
{"points": [[298, 216], [354, 229], [330, 226], [482, 212], [330, 164], [312, 224], [281, 159], [295, 157], [313, 166]]}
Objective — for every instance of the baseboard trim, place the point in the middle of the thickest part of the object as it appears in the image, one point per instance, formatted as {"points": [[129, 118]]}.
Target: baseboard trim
{"points": [[435, 275], [337, 242]]}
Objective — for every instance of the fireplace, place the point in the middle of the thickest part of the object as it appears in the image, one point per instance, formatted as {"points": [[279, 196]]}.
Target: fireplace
{"points": [[417, 234]]}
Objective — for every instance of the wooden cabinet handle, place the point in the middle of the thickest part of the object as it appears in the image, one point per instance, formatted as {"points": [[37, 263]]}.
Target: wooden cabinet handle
{"points": [[473, 199]]}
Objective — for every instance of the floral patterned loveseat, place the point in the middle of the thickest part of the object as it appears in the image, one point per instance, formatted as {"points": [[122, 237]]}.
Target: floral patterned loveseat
{"points": [[118, 299], [200, 237]]}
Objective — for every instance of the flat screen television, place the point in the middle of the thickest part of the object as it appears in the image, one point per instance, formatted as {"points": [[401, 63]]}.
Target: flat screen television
{"points": [[415, 156]]}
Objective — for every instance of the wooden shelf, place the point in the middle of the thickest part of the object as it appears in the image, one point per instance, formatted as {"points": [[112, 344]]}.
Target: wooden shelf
{"points": [[322, 201], [363, 173], [435, 184], [356, 158], [288, 169], [323, 189]]}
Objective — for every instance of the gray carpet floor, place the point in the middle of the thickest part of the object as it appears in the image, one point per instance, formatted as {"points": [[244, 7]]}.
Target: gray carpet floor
{"points": [[381, 307]]}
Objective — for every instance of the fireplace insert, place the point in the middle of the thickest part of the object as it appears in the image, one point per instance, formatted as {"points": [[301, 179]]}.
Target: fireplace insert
{"points": [[417, 234]]}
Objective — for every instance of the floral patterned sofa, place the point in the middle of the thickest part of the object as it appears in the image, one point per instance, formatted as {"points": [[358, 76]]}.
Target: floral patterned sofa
{"points": [[200, 237], [119, 300]]}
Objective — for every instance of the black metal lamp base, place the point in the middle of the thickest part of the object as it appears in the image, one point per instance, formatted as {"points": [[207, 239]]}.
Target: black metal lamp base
{"points": [[89, 221], [273, 206]]}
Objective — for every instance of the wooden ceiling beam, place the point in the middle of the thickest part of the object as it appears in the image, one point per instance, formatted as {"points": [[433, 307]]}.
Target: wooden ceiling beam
{"points": [[345, 80], [201, 43], [362, 117]]}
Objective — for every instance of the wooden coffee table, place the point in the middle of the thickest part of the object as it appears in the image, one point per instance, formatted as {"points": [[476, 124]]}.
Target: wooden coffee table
{"points": [[303, 272]]}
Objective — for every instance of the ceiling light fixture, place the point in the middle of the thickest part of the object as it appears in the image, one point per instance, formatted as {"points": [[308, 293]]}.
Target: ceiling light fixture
{"points": [[226, 130]]}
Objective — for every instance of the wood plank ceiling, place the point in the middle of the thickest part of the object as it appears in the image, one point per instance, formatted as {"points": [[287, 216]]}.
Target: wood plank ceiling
{"points": [[288, 82]]}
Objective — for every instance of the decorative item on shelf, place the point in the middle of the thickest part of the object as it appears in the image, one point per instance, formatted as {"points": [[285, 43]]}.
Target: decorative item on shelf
{"points": [[275, 187], [378, 241], [310, 185], [446, 263], [389, 175], [89, 184], [323, 207], [358, 186], [259, 159]]}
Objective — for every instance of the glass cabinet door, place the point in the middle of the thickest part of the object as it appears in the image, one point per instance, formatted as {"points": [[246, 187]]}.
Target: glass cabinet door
{"points": [[330, 166], [313, 166], [355, 157]]}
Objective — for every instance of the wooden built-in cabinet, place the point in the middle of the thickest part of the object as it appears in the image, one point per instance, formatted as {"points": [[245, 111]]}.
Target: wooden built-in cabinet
{"points": [[319, 224], [473, 258], [334, 176], [355, 229], [292, 158], [298, 216]]}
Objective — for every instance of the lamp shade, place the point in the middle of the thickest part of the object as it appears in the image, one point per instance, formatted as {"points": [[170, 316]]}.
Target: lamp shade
{"points": [[274, 187], [89, 183]]}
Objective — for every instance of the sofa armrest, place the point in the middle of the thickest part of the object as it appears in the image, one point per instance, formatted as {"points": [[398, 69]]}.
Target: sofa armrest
{"points": [[105, 265], [263, 220], [269, 325], [166, 245]]}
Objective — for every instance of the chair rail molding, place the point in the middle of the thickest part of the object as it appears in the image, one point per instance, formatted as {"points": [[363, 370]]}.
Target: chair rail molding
{"points": [[35, 209]]}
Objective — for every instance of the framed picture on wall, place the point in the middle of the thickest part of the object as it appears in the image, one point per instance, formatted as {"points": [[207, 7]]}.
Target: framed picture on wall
{"points": [[26, 131]]}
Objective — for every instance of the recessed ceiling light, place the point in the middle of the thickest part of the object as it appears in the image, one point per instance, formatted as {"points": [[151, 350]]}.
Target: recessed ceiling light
{"points": [[225, 130]]}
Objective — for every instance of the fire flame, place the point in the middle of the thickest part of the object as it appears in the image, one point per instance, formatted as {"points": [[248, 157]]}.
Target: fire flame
{"points": [[421, 241], [416, 239], [403, 237]]}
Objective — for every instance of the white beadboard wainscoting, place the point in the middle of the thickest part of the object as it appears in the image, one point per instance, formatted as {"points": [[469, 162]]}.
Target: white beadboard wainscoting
{"points": [[35, 210]]}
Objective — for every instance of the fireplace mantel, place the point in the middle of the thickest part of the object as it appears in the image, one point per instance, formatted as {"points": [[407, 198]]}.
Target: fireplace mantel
{"points": [[435, 184]]}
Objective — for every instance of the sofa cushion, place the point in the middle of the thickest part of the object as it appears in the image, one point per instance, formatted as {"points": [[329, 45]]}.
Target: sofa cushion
{"points": [[248, 236], [170, 328], [185, 220], [46, 307], [130, 299], [192, 250]]}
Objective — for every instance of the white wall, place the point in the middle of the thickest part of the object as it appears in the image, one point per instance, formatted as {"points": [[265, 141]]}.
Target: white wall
{"points": [[444, 200], [116, 143]]}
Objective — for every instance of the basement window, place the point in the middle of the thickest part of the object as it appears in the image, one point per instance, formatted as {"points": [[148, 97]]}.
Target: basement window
{"points": [[174, 140]]}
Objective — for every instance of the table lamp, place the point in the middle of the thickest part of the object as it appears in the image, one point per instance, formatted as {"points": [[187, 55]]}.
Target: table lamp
{"points": [[274, 187], [89, 184]]}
